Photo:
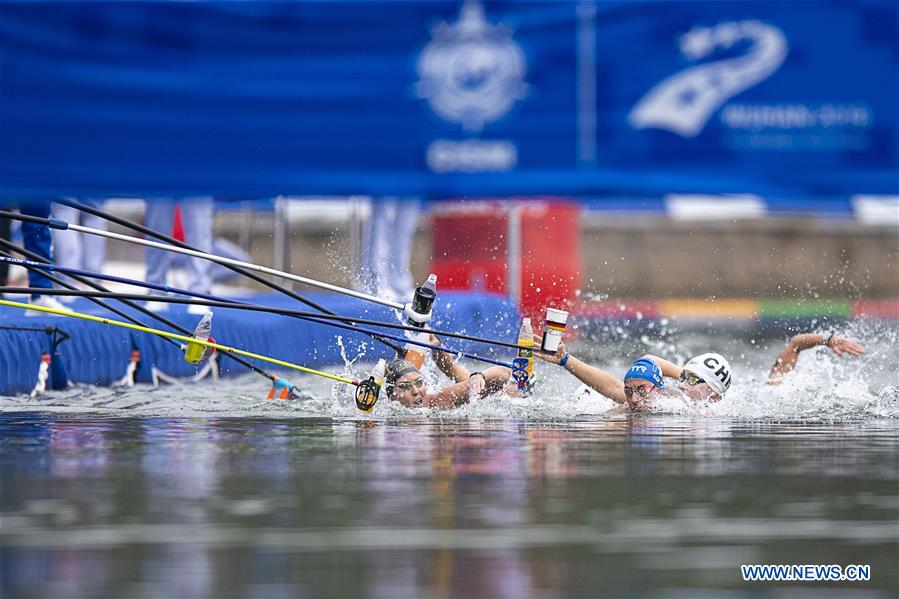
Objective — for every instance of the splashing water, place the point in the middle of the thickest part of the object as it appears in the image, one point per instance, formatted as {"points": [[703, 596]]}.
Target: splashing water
{"points": [[823, 387]]}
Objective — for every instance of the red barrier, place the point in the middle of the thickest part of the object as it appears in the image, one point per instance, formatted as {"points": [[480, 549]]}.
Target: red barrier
{"points": [[471, 244], [888, 308]]}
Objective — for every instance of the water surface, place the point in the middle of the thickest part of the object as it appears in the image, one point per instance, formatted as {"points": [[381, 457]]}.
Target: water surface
{"points": [[321, 507], [210, 490]]}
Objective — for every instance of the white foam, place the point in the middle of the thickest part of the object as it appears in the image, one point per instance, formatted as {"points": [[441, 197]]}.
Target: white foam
{"points": [[822, 388]]}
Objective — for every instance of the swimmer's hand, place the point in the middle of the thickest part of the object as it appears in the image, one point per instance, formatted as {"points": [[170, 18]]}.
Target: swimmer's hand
{"points": [[551, 358], [841, 345], [477, 383], [443, 359]]}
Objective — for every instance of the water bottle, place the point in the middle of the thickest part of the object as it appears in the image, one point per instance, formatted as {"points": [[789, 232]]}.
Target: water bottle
{"points": [[525, 361], [367, 391], [419, 312], [378, 373], [553, 329], [414, 352], [43, 374], [195, 352]]}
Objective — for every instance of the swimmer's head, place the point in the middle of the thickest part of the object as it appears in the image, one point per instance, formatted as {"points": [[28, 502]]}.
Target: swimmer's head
{"points": [[641, 382], [706, 377], [404, 383]]}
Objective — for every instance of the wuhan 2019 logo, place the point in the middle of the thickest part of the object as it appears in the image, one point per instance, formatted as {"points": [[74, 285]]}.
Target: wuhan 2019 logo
{"points": [[752, 52]]}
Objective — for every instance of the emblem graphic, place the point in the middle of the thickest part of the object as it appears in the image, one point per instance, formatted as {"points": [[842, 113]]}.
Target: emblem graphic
{"points": [[684, 102], [471, 73]]}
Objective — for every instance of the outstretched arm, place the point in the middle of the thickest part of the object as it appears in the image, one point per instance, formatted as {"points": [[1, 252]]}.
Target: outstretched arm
{"points": [[483, 383], [786, 361], [593, 377], [669, 369], [447, 365]]}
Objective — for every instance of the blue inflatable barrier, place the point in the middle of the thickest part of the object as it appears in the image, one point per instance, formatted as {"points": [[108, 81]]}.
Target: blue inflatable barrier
{"points": [[100, 354]]}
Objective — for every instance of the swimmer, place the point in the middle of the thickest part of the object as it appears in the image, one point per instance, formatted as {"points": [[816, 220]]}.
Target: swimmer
{"points": [[713, 371], [707, 377], [787, 359], [642, 382], [704, 378], [404, 383]]}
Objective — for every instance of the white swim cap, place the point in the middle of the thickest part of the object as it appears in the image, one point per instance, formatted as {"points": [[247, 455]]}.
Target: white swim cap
{"points": [[713, 369]]}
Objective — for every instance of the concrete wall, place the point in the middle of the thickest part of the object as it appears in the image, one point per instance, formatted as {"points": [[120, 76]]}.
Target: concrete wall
{"points": [[651, 257], [772, 257]]}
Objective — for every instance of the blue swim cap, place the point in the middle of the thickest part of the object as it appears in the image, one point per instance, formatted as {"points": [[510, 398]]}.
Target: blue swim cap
{"points": [[647, 370]]}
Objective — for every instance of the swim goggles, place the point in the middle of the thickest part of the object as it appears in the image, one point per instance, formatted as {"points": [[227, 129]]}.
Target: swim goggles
{"points": [[406, 386], [690, 378], [642, 390]]}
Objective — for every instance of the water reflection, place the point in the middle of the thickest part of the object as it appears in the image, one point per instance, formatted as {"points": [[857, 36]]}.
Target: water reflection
{"points": [[168, 507]]}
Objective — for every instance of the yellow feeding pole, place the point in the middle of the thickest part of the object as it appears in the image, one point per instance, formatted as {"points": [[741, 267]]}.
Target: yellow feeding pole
{"points": [[186, 339]]}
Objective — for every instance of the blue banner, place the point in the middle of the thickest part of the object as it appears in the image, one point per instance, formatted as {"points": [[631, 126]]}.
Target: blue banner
{"points": [[801, 96], [437, 99]]}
